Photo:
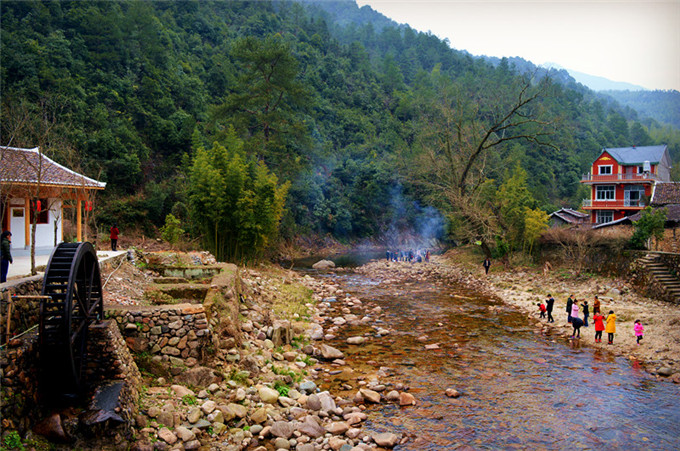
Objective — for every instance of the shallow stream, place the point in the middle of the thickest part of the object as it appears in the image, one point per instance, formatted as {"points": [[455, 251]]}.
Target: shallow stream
{"points": [[520, 388]]}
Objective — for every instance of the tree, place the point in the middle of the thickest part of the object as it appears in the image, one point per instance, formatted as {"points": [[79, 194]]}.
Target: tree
{"points": [[236, 202], [457, 134], [267, 102], [535, 222], [651, 224], [171, 231]]}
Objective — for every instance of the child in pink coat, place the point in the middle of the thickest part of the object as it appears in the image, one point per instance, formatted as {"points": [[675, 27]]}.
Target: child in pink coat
{"points": [[639, 330]]}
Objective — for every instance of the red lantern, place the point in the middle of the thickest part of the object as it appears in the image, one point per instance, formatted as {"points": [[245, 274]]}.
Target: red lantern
{"points": [[38, 206]]}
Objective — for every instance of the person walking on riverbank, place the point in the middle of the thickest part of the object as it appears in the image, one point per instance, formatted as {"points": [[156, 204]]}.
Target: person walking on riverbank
{"points": [[5, 254], [598, 320], [486, 264], [586, 312], [549, 308], [611, 327], [639, 330], [570, 302]]}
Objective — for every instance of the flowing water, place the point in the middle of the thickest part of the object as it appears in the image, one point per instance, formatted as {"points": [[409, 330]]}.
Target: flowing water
{"points": [[520, 387]]}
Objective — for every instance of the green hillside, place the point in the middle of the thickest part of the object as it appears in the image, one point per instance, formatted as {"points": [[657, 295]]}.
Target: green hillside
{"points": [[337, 101]]}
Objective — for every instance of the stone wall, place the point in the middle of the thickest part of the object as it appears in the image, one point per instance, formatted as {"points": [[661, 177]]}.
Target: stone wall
{"points": [[25, 313], [179, 331], [108, 359], [19, 390]]}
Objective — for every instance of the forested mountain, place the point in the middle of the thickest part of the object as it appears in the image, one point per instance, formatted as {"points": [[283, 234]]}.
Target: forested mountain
{"points": [[662, 106], [337, 101]]}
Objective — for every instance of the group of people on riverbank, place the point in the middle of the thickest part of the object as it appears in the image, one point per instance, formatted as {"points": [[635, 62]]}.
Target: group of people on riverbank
{"points": [[578, 312], [410, 255]]}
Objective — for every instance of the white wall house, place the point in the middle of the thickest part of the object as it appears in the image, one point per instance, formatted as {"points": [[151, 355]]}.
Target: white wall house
{"points": [[33, 185]]}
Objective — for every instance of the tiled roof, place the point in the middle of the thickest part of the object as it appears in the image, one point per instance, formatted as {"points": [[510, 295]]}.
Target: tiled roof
{"points": [[672, 213], [636, 155], [569, 215], [666, 193], [30, 166]]}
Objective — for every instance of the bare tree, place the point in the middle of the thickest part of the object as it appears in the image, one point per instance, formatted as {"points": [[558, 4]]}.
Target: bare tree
{"points": [[459, 139]]}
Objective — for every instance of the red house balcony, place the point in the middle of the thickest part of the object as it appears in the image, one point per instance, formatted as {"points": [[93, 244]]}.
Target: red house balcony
{"points": [[646, 177], [615, 204]]}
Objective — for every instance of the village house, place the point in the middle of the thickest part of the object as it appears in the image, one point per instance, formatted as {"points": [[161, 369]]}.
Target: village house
{"points": [[568, 217], [623, 180], [34, 186]]}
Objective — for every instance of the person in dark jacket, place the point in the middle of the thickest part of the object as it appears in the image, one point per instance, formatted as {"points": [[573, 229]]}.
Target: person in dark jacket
{"points": [[5, 254], [570, 302], [549, 308]]}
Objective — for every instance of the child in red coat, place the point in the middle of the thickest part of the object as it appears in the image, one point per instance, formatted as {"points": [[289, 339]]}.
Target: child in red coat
{"points": [[598, 319], [542, 308]]}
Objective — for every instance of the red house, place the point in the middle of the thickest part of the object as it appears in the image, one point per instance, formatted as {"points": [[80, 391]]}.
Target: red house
{"points": [[623, 179]]}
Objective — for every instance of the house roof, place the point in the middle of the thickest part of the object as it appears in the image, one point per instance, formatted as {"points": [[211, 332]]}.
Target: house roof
{"points": [[636, 155], [666, 193], [569, 215], [30, 166]]}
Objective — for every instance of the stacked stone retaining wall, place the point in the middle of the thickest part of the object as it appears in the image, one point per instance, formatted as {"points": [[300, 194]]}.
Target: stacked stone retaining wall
{"points": [[108, 359], [179, 331]]}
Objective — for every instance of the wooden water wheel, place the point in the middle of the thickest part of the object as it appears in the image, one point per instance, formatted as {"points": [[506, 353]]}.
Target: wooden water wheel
{"points": [[73, 286]]}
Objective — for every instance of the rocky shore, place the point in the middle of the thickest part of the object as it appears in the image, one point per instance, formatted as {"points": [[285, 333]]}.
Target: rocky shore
{"points": [[262, 389]]}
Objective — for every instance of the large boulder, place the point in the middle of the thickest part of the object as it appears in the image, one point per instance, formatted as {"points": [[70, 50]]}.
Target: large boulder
{"points": [[331, 353], [323, 264]]}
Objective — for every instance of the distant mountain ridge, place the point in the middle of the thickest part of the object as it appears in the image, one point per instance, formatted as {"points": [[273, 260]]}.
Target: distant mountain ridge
{"points": [[595, 82]]}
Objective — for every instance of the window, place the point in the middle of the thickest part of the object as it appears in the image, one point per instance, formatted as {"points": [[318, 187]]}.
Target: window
{"points": [[43, 213], [605, 216], [633, 195], [605, 170], [605, 192]]}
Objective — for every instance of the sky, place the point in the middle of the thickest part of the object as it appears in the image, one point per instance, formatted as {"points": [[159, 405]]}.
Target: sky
{"points": [[636, 42]]}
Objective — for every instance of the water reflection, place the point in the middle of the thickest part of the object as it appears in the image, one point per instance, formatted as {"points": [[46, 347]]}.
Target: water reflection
{"points": [[520, 388]]}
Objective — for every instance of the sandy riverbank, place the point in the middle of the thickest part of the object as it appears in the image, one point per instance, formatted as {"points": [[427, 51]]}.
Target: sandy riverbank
{"points": [[524, 288]]}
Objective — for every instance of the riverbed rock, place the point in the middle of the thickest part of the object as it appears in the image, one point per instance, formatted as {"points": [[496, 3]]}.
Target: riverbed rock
{"points": [[331, 353], [406, 399], [370, 395], [313, 402], [665, 371], [452, 393], [385, 439], [268, 395], [323, 264], [167, 436], [356, 340], [311, 428], [282, 429], [337, 427]]}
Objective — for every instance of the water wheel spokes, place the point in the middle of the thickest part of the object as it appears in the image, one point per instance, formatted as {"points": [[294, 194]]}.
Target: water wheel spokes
{"points": [[73, 283]]}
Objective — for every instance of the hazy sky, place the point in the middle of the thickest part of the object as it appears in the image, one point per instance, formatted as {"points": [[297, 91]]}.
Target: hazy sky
{"points": [[633, 41]]}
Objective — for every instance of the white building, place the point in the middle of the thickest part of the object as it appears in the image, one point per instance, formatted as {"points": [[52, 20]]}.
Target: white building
{"points": [[33, 185]]}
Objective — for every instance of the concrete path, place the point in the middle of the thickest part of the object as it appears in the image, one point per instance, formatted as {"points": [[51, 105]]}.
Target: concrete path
{"points": [[22, 264]]}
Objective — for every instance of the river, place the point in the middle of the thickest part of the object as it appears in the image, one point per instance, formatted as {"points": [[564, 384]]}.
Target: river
{"points": [[521, 388]]}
